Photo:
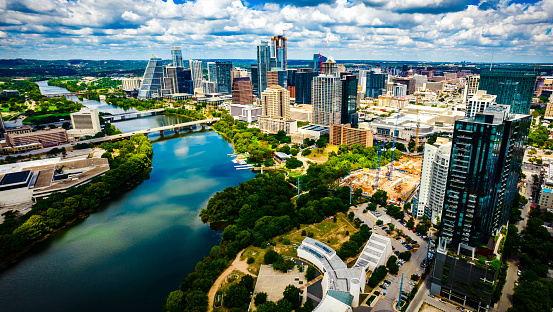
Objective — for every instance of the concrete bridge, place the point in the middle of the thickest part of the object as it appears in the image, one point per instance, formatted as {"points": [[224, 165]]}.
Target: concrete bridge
{"points": [[133, 115], [53, 95]]}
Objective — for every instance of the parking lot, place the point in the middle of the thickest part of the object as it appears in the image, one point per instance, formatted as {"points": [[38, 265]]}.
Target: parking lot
{"points": [[274, 282]]}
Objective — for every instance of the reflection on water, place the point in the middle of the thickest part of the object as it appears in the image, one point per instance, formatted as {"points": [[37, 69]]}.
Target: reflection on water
{"points": [[133, 251]]}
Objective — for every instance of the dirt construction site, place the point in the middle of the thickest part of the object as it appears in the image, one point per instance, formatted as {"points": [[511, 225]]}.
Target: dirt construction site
{"points": [[400, 184]]}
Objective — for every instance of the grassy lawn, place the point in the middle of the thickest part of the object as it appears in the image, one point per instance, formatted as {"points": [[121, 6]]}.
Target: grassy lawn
{"points": [[295, 174], [322, 155], [54, 118]]}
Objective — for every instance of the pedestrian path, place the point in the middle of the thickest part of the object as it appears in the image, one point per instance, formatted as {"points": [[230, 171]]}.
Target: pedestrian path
{"points": [[313, 281]]}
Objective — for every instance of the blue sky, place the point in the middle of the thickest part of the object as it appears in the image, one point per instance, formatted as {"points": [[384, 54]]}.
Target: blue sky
{"points": [[419, 30]]}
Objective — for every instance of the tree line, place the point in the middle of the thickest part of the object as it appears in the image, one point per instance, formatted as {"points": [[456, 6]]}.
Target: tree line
{"points": [[50, 214]]}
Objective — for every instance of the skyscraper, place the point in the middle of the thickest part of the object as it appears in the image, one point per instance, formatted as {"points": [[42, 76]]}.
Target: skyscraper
{"points": [[514, 88], [176, 55], [327, 100], [329, 68], [349, 100], [277, 77], [478, 102], [471, 86], [275, 113], [304, 82], [263, 64], [242, 92], [375, 85], [255, 79], [316, 60], [197, 75], [223, 76], [152, 82], [278, 47], [177, 80], [486, 159], [212, 71]]}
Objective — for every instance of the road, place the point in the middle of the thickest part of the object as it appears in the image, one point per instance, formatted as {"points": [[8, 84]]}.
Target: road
{"points": [[409, 268], [506, 300]]}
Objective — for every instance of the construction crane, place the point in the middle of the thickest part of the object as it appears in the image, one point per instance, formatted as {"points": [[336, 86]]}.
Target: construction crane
{"points": [[378, 166], [321, 58], [394, 146]]}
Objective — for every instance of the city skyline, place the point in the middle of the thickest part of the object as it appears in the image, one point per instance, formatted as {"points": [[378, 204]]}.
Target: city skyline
{"points": [[447, 30]]}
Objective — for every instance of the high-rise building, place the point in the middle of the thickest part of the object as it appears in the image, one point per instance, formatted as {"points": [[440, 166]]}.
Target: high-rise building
{"points": [[277, 77], [329, 68], [344, 134], [420, 80], [275, 113], [152, 82], [238, 72], [409, 82], [2, 126], [255, 79], [399, 90], [304, 82], [263, 64], [291, 82], [486, 159], [176, 55], [209, 87], [278, 47], [130, 84], [316, 61], [375, 85], [349, 100], [212, 71], [86, 120], [242, 92], [224, 84], [177, 80], [471, 87], [327, 100], [478, 102], [197, 75], [514, 88], [435, 167]]}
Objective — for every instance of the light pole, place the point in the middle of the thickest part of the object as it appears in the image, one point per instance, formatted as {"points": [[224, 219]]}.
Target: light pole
{"points": [[400, 289]]}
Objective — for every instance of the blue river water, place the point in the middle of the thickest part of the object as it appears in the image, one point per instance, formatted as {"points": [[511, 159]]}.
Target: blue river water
{"points": [[135, 249]]}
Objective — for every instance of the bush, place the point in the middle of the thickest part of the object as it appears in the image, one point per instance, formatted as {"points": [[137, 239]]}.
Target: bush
{"points": [[250, 260], [378, 275], [379, 222]]}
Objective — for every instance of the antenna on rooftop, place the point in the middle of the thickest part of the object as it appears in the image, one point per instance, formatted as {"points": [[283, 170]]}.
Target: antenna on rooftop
{"points": [[491, 64]]}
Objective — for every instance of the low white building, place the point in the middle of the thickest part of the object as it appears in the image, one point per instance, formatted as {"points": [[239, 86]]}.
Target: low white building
{"points": [[245, 113], [546, 192], [477, 103], [341, 285]]}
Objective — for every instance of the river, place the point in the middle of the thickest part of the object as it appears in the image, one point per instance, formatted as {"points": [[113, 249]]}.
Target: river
{"points": [[135, 249]]}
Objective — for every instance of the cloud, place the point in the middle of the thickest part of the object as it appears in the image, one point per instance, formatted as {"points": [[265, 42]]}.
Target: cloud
{"points": [[354, 29]]}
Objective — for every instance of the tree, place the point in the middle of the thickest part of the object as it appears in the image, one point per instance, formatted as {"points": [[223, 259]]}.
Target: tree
{"points": [[260, 298], [270, 256], [248, 282], [310, 273], [236, 296], [293, 163], [379, 222], [269, 162], [306, 152], [378, 275], [173, 301], [392, 265], [66, 125], [294, 151], [293, 295], [380, 197], [406, 255]]}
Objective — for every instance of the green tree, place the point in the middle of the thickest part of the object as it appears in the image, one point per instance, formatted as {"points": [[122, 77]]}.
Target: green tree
{"points": [[293, 295], [260, 298], [406, 255], [310, 273], [270, 256], [236, 296], [173, 301], [293, 163], [306, 152], [294, 151]]}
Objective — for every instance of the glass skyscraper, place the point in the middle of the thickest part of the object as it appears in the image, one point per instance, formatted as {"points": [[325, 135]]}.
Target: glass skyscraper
{"points": [[224, 81], [349, 100], [176, 55], [278, 46], [327, 100], [152, 82], [375, 84], [212, 71], [514, 88], [177, 80], [263, 64], [486, 158], [304, 80]]}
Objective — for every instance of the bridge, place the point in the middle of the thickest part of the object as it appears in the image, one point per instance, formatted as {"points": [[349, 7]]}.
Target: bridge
{"points": [[161, 130], [53, 95], [133, 115]]}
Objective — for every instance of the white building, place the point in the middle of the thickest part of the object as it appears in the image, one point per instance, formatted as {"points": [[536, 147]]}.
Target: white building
{"points": [[197, 75], [420, 80], [302, 112], [477, 103], [209, 87], [341, 285], [245, 113], [471, 87], [85, 123], [400, 90], [546, 193], [435, 169], [130, 84], [327, 99]]}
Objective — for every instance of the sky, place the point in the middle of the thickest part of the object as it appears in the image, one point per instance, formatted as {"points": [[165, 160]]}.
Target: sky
{"points": [[395, 30]]}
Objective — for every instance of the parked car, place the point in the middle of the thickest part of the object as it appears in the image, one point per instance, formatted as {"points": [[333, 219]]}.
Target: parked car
{"points": [[431, 296], [411, 283]]}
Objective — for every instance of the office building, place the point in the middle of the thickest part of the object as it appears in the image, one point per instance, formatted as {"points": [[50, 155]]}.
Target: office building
{"points": [[485, 165], [2, 126], [471, 87], [345, 134], [478, 102], [130, 84], [435, 168], [245, 113], [291, 82], [375, 84], [152, 82], [212, 72], [224, 84], [420, 80], [436, 87], [409, 82], [263, 64], [86, 120], [242, 92], [546, 192], [304, 82], [47, 138], [275, 114], [279, 52], [277, 78], [177, 80], [349, 100], [238, 72], [399, 90], [514, 88], [329, 68], [327, 100], [197, 76], [255, 79], [317, 60], [302, 112], [176, 56], [209, 87]]}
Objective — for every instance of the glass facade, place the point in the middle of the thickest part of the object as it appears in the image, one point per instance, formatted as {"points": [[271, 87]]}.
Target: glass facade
{"points": [[176, 56], [304, 81], [375, 85], [212, 71], [349, 100], [224, 81], [152, 82], [255, 79], [327, 100], [484, 168], [515, 88], [263, 64], [177, 80]]}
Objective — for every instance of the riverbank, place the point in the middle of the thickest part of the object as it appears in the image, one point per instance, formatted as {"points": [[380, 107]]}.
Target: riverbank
{"points": [[59, 210]]}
